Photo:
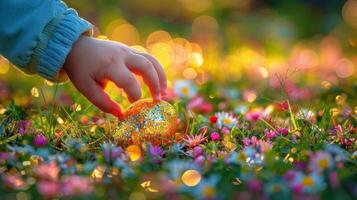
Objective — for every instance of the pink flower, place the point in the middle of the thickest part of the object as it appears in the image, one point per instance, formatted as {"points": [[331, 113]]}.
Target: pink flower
{"points": [[289, 176], [297, 189], [48, 189], [170, 95], [254, 115], [199, 160], [265, 146], [195, 102], [194, 140], [111, 152], [283, 131], [246, 141], [250, 142], [206, 107], [255, 185], [24, 125], [270, 134], [47, 171], [156, 152], [215, 136], [225, 130], [197, 151], [76, 185], [40, 140], [13, 181], [333, 179], [282, 106]]}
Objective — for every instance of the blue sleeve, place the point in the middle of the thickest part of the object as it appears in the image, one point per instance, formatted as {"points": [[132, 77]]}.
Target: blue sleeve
{"points": [[37, 35]]}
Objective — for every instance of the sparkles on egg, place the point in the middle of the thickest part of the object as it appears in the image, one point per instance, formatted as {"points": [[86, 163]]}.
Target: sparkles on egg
{"points": [[147, 121]]}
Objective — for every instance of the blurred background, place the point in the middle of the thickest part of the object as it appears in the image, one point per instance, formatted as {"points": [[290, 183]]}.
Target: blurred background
{"points": [[246, 44]]}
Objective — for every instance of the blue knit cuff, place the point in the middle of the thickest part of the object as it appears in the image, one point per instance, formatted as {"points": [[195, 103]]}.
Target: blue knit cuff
{"points": [[56, 42]]}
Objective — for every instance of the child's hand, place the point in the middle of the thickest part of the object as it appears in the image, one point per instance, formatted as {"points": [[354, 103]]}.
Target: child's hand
{"points": [[91, 63]]}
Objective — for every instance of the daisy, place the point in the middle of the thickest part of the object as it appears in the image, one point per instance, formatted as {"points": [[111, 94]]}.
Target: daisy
{"points": [[185, 89], [308, 183], [225, 119], [320, 161]]}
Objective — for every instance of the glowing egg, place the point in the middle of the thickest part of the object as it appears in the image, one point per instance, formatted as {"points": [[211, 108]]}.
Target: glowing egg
{"points": [[147, 121]]}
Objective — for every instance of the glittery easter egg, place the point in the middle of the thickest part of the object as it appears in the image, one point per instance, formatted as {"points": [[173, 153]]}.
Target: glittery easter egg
{"points": [[147, 121]]}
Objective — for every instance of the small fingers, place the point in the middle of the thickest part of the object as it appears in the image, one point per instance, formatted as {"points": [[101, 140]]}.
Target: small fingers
{"points": [[160, 72], [123, 78], [142, 66], [96, 95]]}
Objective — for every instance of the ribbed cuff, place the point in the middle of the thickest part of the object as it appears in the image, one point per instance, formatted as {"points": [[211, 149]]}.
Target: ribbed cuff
{"points": [[56, 42]]}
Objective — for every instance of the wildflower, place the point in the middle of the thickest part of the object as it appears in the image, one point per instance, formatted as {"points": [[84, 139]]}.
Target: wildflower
{"points": [[169, 95], [254, 115], [185, 89], [225, 119], [264, 146], [156, 153], [308, 183], [76, 185], [112, 152], [24, 125], [339, 154], [195, 102], [246, 141], [333, 180], [270, 134], [194, 140], [40, 140], [47, 171], [290, 175], [250, 142], [6, 157], [248, 156], [215, 136], [197, 151], [255, 185], [213, 119], [48, 189], [206, 107], [199, 160], [13, 181], [200, 104], [321, 161], [306, 114], [225, 130], [282, 106], [283, 131]]}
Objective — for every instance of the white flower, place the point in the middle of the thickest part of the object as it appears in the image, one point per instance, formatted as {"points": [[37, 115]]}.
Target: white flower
{"points": [[185, 88], [321, 161], [225, 119]]}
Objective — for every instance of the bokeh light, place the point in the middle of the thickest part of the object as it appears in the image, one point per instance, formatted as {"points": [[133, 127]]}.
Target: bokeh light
{"points": [[349, 13], [125, 33], [134, 152], [191, 177], [344, 68]]}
